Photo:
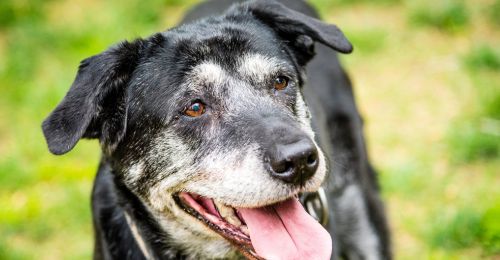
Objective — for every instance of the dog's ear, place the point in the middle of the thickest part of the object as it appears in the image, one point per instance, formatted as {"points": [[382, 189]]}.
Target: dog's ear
{"points": [[95, 105], [298, 28]]}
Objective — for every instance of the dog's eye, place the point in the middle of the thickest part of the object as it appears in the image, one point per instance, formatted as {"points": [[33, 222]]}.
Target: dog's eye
{"points": [[195, 109], [280, 83]]}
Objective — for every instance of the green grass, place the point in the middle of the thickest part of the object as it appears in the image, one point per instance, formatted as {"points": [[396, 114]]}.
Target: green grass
{"points": [[462, 229], [466, 227], [476, 135], [493, 12], [448, 15], [483, 57], [431, 103], [468, 143], [368, 41], [490, 236]]}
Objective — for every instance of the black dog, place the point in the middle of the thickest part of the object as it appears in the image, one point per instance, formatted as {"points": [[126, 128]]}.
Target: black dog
{"points": [[207, 140]]}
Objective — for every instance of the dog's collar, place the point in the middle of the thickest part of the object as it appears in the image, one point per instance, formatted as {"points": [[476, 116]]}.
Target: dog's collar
{"points": [[316, 205], [138, 238]]}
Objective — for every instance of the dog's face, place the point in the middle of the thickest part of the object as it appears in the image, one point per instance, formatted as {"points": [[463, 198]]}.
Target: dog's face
{"points": [[224, 118], [204, 121]]}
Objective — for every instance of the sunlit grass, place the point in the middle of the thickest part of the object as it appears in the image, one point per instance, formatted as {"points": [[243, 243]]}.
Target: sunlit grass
{"points": [[447, 15], [493, 11], [483, 57]]}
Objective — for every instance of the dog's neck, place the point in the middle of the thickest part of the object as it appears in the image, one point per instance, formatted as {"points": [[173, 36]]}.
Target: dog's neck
{"points": [[129, 228]]}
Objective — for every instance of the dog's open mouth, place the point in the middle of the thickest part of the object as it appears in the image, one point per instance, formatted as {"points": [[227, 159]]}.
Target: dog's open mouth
{"points": [[279, 231]]}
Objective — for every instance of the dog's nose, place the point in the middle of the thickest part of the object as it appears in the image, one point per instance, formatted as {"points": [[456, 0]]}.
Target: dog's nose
{"points": [[293, 163]]}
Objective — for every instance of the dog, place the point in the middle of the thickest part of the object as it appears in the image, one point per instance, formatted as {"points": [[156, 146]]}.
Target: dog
{"points": [[213, 130]]}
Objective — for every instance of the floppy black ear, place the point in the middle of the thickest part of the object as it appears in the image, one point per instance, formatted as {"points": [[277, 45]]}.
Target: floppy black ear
{"points": [[95, 105], [298, 26]]}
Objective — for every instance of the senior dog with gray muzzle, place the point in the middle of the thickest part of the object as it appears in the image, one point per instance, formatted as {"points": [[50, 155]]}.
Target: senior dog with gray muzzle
{"points": [[209, 147]]}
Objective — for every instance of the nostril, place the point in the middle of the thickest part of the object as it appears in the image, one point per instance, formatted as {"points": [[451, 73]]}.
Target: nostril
{"points": [[311, 159], [282, 166]]}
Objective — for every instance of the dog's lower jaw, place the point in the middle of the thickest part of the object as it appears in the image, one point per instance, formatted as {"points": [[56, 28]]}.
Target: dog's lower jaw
{"points": [[192, 237], [201, 245], [197, 247]]}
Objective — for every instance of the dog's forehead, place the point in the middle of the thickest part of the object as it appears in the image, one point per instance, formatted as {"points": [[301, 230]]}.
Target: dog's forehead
{"points": [[203, 59], [213, 52], [253, 66], [225, 41]]}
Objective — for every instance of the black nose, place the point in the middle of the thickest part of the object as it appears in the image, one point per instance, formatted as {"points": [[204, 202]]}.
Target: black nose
{"points": [[293, 163]]}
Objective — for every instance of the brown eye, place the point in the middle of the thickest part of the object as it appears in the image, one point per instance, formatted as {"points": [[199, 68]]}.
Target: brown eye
{"points": [[280, 83], [196, 109]]}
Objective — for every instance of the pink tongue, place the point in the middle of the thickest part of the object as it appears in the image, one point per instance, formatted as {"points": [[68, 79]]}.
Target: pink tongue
{"points": [[286, 231]]}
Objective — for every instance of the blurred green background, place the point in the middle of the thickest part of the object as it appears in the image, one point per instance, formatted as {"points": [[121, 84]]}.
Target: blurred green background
{"points": [[427, 80]]}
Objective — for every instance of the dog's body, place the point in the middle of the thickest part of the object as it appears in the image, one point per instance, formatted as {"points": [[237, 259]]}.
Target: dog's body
{"points": [[186, 114]]}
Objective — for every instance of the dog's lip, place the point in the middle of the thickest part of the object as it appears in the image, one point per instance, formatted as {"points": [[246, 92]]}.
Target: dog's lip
{"points": [[216, 222]]}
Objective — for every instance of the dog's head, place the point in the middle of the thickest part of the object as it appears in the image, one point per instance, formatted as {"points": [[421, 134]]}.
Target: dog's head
{"points": [[207, 120]]}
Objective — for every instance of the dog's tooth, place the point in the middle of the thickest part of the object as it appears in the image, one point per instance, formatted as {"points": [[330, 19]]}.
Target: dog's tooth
{"points": [[233, 220], [220, 207], [227, 214], [244, 229]]}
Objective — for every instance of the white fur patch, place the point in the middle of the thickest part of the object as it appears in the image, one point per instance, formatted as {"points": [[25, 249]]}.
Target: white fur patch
{"points": [[180, 167], [134, 172], [303, 114], [196, 239], [257, 66], [208, 72]]}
